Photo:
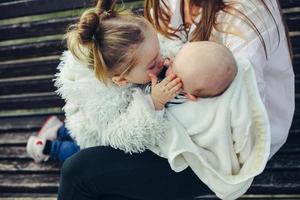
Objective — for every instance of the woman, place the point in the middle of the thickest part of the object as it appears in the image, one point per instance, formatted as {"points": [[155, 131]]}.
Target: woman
{"points": [[252, 30]]}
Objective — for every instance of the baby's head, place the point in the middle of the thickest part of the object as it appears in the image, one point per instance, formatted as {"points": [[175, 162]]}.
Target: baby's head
{"points": [[118, 46], [205, 68]]}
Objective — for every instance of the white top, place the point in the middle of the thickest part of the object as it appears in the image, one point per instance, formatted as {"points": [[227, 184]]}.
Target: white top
{"points": [[275, 76]]}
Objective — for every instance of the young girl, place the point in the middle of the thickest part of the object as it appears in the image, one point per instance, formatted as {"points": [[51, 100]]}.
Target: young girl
{"points": [[111, 54]]}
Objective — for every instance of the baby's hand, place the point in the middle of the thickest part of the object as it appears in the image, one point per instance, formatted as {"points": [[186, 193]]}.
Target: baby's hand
{"points": [[164, 91]]}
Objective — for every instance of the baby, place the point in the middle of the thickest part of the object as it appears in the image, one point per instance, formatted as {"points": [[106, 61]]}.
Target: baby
{"points": [[205, 68], [224, 140]]}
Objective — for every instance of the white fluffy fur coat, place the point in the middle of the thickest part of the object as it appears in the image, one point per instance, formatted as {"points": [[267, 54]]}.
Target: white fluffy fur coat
{"points": [[121, 117]]}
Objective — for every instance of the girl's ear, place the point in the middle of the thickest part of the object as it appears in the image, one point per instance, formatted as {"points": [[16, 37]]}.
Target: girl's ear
{"points": [[120, 81], [190, 97]]}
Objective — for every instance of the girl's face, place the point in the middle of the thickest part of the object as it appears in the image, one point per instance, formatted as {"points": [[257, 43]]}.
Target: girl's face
{"points": [[149, 60]]}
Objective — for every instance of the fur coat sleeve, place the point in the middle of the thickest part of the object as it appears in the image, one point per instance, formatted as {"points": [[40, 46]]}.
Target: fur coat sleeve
{"points": [[98, 114]]}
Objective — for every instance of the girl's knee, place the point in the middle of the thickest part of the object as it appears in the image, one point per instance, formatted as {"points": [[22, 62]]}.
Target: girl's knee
{"points": [[91, 162], [81, 164]]}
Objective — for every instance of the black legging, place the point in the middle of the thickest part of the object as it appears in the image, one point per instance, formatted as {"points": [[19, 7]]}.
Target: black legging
{"points": [[104, 173]]}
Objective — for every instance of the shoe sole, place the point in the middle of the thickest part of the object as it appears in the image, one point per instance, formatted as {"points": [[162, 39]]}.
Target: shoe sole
{"points": [[29, 146]]}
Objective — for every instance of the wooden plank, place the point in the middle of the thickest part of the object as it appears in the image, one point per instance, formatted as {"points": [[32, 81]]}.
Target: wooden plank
{"points": [[28, 123], [290, 149], [27, 85], [293, 21], [31, 101], [28, 166], [34, 7], [293, 138], [13, 152], [297, 113], [283, 160], [35, 68], [35, 29], [276, 182], [296, 65], [33, 197], [289, 3], [31, 112], [32, 50], [297, 86], [33, 183], [296, 44], [15, 138]]}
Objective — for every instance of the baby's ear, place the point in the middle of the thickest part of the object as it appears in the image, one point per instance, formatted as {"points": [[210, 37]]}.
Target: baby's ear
{"points": [[190, 97], [120, 81]]}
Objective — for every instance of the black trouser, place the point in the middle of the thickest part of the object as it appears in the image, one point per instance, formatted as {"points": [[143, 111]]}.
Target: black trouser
{"points": [[104, 173]]}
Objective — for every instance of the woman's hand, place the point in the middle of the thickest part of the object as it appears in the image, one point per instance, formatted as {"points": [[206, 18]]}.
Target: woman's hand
{"points": [[165, 90]]}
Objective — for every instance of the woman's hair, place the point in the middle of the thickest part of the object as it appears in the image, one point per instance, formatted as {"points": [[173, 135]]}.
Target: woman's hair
{"points": [[107, 39], [157, 13]]}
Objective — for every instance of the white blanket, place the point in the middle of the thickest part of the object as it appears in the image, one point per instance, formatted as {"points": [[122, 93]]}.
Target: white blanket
{"points": [[225, 140]]}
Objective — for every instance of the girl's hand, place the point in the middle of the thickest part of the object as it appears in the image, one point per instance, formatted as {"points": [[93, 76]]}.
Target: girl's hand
{"points": [[165, 90]]}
